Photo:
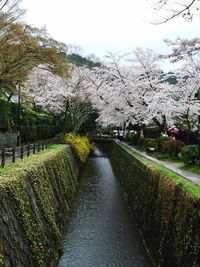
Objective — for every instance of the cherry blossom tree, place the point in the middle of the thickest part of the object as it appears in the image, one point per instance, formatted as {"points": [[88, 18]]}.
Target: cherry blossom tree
{"points": [[123, 87], [55, 93], [170, 9]]}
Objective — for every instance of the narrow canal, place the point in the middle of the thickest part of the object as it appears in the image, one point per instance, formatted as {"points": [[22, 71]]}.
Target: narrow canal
{"points": [[100, 232]]}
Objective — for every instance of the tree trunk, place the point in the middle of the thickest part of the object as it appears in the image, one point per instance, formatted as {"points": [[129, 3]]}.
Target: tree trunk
{"points": [[65, 118]]}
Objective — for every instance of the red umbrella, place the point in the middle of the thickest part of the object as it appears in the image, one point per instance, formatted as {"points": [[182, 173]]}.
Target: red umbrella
{"points": [[173, 131]]}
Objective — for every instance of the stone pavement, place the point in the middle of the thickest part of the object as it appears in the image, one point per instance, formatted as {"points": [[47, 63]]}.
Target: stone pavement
{"points": [[194, 178]]}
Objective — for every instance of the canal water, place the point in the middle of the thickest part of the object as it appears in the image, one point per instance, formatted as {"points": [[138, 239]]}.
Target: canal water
{"points": [[100, 232]]}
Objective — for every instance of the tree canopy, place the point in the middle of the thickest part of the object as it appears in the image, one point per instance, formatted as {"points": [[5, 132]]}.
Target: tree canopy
{"points": [[23, 47]]}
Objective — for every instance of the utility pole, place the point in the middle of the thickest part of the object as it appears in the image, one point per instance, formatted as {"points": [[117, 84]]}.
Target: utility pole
{"points": [[198, 133], [18, 114]]}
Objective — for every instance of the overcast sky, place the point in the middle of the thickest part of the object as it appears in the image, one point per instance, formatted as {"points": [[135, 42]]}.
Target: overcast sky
{"points": [[99, 26]]}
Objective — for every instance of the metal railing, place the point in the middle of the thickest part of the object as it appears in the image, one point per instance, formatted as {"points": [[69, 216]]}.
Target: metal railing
{"points": [[8, 155], [101, 138]]}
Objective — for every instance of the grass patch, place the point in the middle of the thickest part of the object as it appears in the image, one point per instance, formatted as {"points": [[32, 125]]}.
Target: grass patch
{"points": [[194, 169], [182, 182], [177, 162], [165, 156]]}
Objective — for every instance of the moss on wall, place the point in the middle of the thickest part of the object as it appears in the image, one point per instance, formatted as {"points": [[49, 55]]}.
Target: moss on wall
{"points": [[35, 197], [165, 206]]}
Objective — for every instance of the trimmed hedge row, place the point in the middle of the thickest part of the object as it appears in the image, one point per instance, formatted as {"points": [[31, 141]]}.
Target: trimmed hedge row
{"points": [[173, 147], [35, 196], [38, 132], [165, 206]]}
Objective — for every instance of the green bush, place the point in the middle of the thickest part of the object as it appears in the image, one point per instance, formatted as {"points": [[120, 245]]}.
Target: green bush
{"points": [[190, 154], [28, 133], [29, 117], [128, 137], [141, 142], [134, 139], [8, 139], [173, 147], [42, 131], [38, 132], [149, 142], [61, 138]]}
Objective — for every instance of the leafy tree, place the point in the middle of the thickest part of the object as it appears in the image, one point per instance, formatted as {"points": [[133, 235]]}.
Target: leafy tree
{"points": [[23, 47]]}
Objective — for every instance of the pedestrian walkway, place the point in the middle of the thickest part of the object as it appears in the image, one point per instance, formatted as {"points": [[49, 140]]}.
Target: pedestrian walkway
{"points": [[194, 178]]}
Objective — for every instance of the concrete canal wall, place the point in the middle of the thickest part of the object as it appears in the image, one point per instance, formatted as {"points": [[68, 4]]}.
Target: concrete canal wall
{"points": [[35, 197], [165, 206]]}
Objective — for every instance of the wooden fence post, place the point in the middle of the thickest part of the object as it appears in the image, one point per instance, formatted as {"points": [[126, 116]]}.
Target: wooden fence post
{"points": [[22, 152], [34, 148], [3, 158], [13, 154], [28, 150]]}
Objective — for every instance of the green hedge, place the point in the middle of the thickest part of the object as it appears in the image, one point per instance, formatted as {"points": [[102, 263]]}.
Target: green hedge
{"points": [[38, 132], [33, 125], [8, 139], [165, 206], [35, 196]]}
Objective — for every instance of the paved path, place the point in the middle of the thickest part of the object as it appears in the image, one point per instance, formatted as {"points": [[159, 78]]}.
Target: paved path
{"points": [[195, 178]]}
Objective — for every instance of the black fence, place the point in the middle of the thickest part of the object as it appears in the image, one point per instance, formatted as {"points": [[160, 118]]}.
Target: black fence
{"points": [[101, 139], [9, 155]]}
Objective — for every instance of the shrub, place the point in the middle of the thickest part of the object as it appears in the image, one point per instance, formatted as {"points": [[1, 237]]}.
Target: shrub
{"points": [[37, 132], [134, 139], [173, 147], [149, 142], [161, 143], [190, 154], [29, 117], [128, 136], [8, 139], [141, 142], [152, 132], [28, 133], [61, 138], [80, 145]]}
